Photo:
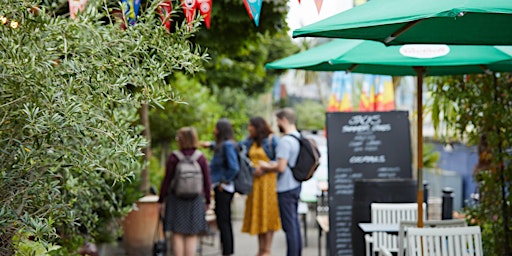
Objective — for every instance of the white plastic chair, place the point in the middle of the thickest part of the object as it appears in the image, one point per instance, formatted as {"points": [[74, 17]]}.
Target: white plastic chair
{"points": [[404, 225], [454, 241], [388, 213]]}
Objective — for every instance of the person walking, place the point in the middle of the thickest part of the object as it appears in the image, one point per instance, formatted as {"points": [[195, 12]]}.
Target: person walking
{"points": [[185, 218], [224, 167], [288, 188], [261, 216]]}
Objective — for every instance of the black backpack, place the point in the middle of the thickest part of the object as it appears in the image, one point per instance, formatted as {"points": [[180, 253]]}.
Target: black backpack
{"points": [[244, 178], [308, 159]]}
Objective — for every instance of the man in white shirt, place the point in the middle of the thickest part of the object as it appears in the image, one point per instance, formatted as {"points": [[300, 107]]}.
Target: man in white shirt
{"points": [[288, 188]]}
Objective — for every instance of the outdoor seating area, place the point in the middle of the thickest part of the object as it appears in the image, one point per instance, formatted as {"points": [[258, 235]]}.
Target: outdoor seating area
{"points": [[383, 216], [296, 127]]}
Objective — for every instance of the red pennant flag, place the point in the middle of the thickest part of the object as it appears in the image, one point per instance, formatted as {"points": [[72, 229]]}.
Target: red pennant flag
{"points": [[318, 4], [205, 8], [164, 9], [189, 7]]}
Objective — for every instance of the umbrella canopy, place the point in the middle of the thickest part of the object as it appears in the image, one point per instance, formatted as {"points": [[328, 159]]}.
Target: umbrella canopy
{"points": [[369, 57], [394, 22]]}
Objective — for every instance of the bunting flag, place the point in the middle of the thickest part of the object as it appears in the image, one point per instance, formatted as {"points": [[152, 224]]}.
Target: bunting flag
{"points": [[384, 94], [346, 98], [189, 7], [318, 4], [366, 101], [253, 8], [132, 10], [164, 9], [377, 94], [333, 105], [205, 8], [75, 6], [341, 92]]}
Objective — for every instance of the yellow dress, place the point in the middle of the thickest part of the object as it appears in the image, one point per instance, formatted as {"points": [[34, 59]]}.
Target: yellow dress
{"points": [[261, 210]]}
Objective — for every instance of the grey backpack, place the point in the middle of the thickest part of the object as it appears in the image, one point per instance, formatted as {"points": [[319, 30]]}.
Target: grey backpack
{"points": [[188, 176]]}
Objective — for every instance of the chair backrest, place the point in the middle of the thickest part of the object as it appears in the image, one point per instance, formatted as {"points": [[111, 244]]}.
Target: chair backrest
{"points": [[450, 241], [426, 224], [391, 213]]}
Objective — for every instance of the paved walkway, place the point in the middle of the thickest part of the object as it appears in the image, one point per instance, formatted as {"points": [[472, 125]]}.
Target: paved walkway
{"points": [[245, 244]]}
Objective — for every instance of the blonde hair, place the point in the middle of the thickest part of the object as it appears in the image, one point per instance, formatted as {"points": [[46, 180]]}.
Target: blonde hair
{"points": [[187, 138]]}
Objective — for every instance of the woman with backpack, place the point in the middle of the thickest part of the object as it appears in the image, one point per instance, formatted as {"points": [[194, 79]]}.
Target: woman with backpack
{"points": [[185, 212], [261, 216], [224, 166]]}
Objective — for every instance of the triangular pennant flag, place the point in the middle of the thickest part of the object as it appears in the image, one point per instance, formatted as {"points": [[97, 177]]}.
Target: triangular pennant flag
{"points": [[318, 4], [253, 7], [205, 8], [189, 7], [132, 10], [75, 6], [164, 9]]}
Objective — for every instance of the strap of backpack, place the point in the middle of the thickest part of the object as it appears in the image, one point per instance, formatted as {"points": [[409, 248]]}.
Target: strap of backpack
{"points": [[297, 138], [179, 155], [271, 146], [196, 155]]}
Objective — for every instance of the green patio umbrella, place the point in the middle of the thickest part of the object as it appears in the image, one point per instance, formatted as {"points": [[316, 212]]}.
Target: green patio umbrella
{"points": [[370, 57], [395, 22]]}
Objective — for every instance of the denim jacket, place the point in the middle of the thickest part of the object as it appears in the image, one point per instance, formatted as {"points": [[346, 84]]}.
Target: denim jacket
{"points": [[268, 146], [224, 164]]}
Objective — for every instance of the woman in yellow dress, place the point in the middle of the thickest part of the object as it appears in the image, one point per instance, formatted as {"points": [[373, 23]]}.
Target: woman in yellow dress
{"points": [[261, 216]]}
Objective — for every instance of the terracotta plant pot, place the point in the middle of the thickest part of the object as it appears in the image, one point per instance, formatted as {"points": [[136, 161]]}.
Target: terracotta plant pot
{"points": [[139, 227]]}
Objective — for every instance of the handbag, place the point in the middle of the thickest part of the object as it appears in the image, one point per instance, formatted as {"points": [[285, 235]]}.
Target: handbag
{"points": [[159, 244]]}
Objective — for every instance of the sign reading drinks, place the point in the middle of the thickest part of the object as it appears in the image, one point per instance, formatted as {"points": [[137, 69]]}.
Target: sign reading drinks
{"points": [[362, 145]]}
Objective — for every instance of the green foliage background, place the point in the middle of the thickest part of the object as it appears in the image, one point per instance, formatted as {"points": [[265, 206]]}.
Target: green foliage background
{"points": [[69, 103], [477, 108]]}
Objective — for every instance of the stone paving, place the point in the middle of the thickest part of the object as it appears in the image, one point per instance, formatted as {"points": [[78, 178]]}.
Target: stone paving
{"points": [[245, 244]]}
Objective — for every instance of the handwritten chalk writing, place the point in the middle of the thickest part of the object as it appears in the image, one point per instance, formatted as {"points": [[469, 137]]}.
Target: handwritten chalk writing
{"points": [[381, 128], [367, 159], [364, 120]]}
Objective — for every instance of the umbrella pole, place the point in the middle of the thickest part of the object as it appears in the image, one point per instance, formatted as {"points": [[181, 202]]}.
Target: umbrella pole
{"points": [[419, 156]]}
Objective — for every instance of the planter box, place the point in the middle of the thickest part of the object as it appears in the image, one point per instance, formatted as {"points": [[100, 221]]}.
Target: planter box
{"points": [[139, 227]]}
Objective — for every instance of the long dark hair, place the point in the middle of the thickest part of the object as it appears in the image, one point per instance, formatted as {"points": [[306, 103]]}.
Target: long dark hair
{"points": [[224, 131], [262, 129]]}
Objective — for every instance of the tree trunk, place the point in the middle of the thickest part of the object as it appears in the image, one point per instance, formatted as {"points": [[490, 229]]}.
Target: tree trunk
{"points": [[164, 153], [144, 116]]}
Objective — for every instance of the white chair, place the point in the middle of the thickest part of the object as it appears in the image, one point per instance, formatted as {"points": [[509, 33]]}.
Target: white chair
{"points": [[384, 252], [404, 225], [454, 241], [388, 213]]}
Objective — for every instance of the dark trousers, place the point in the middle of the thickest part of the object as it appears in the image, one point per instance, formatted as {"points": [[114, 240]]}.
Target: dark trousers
{"points": [[223, 212], [288, 203]]}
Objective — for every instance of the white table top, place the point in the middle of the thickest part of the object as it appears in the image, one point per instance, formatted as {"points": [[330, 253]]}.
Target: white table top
{"points": [[375, 227]]}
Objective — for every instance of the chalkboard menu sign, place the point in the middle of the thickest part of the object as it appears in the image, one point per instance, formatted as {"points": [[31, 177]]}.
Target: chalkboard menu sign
{"points": [[362, 145]]}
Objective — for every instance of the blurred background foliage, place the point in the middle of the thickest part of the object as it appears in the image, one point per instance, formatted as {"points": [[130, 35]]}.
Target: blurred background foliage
{"points": [[477, 109]]}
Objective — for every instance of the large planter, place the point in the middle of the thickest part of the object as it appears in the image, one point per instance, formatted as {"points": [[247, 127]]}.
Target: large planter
{"points": [[139, 227]]}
